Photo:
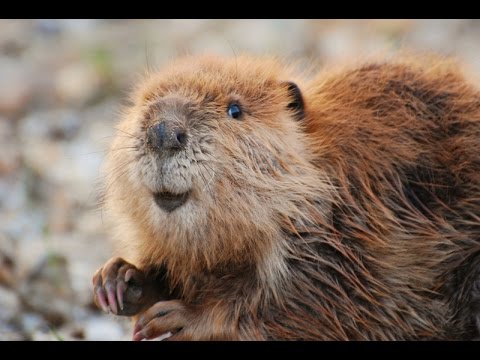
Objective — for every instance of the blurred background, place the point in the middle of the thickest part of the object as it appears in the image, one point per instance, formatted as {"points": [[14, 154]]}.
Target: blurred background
{"points": [[61, 85]]}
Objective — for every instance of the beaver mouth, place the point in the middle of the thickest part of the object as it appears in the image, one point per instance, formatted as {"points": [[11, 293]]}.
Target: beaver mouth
{"points": [[169, 201]]}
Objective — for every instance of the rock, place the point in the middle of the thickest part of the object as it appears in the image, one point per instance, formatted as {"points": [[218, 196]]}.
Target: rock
{"points": [[31, 322], [79, 26], [16, 88], [73, 164], [85, 254], [45, 335], [60, 217], [48, 27], [90, 222], [13, 197], [14, 38], [27, 230], [59, 124], [51, 333], [77, 83], [249, 34], [435, 35], [77, 333], [103, 329], [47, 290], [7, 277], [9, 304], [7, 262], [10, 154], [8, 332], [339, 44]]}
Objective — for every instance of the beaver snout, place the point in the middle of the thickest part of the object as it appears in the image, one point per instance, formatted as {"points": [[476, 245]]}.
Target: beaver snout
{"points": [[166, 136]]}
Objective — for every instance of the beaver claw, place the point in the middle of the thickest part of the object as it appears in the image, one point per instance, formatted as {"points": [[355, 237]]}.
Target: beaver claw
{"points": [[118, 286]]}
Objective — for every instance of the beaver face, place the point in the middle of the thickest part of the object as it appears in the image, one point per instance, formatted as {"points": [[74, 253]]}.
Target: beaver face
{"points": [[199, 120], [213, 141]]}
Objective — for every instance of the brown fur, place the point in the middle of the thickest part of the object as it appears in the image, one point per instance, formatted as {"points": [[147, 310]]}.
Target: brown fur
{"points": [[361, 221]]}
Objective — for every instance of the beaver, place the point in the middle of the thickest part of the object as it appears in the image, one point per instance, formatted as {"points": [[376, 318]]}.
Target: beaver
{"points": [[251, 201]]}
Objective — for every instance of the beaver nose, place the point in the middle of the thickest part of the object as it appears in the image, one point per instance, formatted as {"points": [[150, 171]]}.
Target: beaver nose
{"points": [[164, 136]]}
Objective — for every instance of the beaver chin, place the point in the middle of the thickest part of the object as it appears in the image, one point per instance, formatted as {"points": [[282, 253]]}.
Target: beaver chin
{"points": [[168, 201]]}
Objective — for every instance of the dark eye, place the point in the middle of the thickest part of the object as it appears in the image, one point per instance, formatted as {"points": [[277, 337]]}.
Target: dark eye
{"points": [[234, 111]]}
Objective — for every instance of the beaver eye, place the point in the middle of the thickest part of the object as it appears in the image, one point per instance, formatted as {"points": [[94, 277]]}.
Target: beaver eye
{"points": [[234, 111]]}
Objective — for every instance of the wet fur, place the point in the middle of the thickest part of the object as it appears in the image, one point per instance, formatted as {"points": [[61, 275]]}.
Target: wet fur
{"points": [[359, 221]]}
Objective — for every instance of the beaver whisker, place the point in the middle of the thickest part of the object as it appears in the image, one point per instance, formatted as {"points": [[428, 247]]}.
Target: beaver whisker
{"points": [[211, 179], [131, 135]]}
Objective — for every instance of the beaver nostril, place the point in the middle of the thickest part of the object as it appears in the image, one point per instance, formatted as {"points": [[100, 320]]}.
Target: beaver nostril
{"points": [[165, 136], [182, 138]]}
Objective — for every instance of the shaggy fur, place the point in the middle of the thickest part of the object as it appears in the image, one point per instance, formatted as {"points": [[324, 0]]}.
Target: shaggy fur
{"points": [[357, 217]]}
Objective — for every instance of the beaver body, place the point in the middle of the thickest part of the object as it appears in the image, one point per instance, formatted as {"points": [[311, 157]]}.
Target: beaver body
{"points": [[252, 203]]}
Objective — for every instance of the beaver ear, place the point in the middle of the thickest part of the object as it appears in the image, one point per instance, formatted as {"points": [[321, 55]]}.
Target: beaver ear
{"points": [[296, 103]]}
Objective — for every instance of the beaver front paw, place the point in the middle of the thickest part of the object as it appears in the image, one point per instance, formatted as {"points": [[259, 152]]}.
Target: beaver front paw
{"points": [[120, 287], [162, 318]]}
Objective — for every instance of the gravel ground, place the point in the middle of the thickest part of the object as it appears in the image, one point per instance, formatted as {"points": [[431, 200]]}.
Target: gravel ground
{"points": [[61, 85]]}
